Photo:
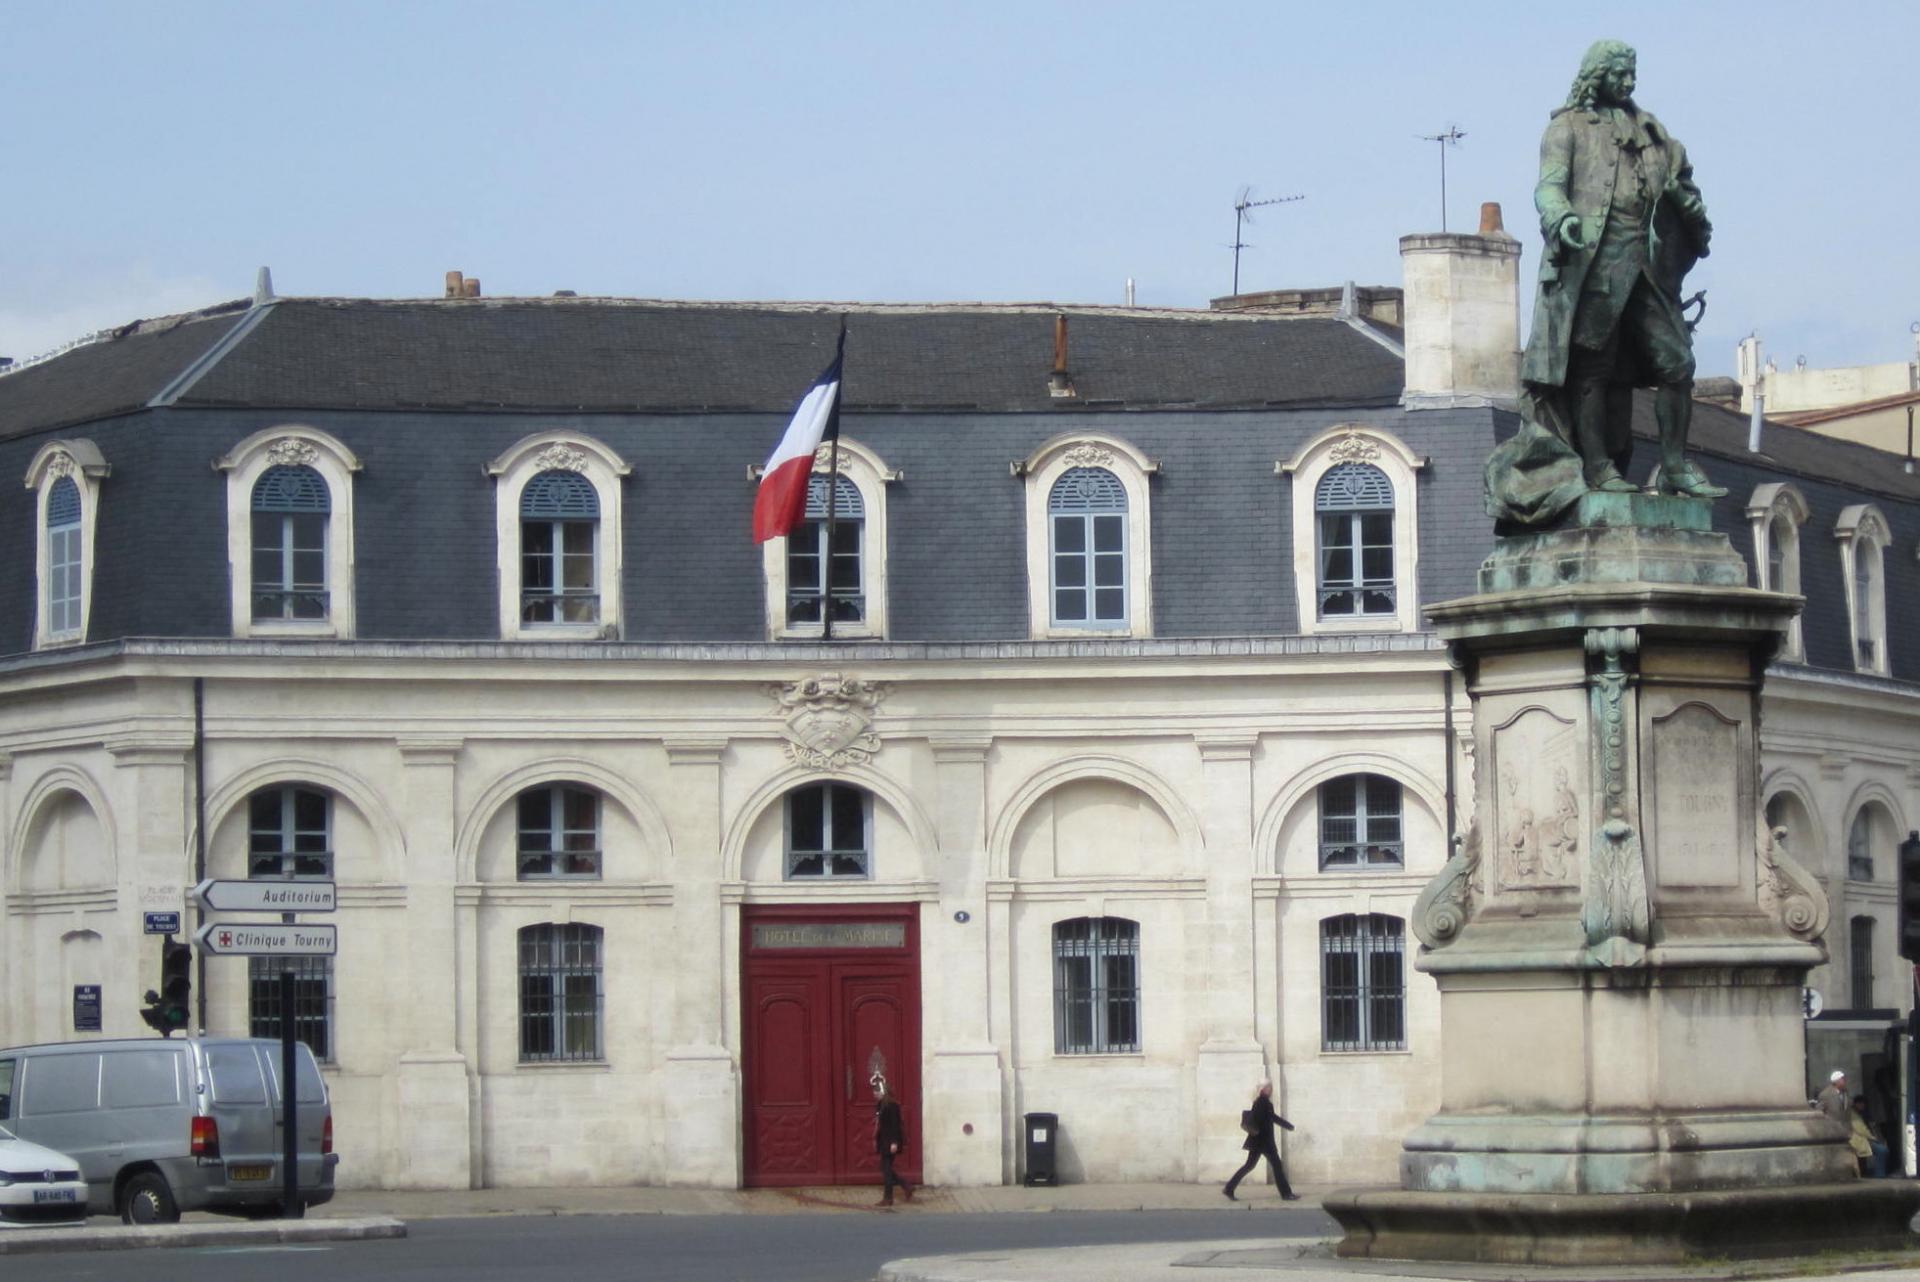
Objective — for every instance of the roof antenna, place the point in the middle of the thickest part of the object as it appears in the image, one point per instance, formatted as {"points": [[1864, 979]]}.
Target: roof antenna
{"points": [[1242, 203], [263, 287], [1451, 138]]}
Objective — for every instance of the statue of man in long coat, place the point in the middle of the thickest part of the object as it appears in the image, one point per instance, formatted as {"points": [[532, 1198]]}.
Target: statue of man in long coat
{"points": [[1624, 223]]}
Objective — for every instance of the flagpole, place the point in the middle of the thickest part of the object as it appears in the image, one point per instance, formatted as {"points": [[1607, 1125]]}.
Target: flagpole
{"points": [[833, 489]]}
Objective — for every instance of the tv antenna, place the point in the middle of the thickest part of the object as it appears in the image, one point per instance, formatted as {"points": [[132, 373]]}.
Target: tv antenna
{"points": [[1451, 138], [1242, 203]]}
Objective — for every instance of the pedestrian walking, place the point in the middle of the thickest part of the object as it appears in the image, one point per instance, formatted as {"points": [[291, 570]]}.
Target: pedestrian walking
{"points": [[889, 1139], [1258, 1122]]}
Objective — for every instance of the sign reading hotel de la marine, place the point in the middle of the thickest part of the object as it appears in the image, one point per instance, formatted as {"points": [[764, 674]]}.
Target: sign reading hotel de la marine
{"points": [[829, 720]]}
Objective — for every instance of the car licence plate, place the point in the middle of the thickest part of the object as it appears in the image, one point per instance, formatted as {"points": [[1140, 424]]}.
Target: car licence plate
{"points": [[56, 1195], [249, 1171]]}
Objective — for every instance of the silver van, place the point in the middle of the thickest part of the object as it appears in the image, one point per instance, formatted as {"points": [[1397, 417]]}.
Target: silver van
{"points": [[165, 1125]]}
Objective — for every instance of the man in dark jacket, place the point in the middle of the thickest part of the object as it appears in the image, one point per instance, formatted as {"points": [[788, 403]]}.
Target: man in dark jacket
{"points": [[1260, 1142], [889, 1138]]}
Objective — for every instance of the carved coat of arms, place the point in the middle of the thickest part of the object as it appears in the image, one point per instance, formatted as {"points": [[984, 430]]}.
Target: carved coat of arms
{"points": [[829, 720]]}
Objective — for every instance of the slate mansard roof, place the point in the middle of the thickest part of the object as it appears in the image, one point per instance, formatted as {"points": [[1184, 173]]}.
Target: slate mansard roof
{"points": [[617, 356]]}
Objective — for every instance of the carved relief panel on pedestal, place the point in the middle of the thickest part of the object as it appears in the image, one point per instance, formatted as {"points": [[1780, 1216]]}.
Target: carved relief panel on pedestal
{"points": [[1539, 785]]}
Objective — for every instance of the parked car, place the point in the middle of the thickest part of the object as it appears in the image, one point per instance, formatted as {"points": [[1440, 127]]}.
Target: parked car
{"points": [[165, 1125], [38, 1185]]}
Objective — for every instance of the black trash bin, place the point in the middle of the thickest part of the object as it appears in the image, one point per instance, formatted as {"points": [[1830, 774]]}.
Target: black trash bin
{"points": [[1043, 1130]]}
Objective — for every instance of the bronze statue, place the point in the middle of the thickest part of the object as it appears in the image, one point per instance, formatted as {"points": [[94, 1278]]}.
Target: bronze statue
{"points": [[1623, 223]]}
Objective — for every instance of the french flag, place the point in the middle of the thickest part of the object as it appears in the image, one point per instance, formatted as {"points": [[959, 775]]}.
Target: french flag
{"points": [[782, 498]]}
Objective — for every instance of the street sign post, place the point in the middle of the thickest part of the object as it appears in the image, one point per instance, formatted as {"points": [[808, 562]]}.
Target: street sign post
{"points": [[161, 923], [266, 939], [264, 896]]}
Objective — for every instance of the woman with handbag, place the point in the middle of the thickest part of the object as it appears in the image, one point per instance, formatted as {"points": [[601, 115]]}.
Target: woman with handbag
{"points": [[1258, 1122], [889, 1138]]}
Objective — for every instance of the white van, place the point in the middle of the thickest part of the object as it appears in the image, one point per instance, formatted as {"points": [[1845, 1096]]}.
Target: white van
{"points": [[165, 1125]]}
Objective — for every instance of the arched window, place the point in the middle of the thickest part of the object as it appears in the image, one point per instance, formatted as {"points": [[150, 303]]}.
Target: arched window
{"points": [[1087, 523], [1353, 505], [291, 506], [558, 833], [63, 560], [829, 832], [557, 521], [1863, 535], [1860, 845], [290, 833], [559, 536], [1860, 962], [1363, 984], [1096, 986], [65, 477], [560, 992], [817, 574], [1355, 531], [1360, 823]]}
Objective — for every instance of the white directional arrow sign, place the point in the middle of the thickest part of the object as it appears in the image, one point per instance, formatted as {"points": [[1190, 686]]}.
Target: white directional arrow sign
{"points": [[265, 896], [265, 939]]}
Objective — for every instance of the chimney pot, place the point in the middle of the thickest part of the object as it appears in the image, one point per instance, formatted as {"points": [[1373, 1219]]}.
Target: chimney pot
{"points": [[1490, 223], [470, 287], [454, 287]]}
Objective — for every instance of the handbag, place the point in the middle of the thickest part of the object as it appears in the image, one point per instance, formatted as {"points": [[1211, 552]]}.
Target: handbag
{"points": [[1248, 1122]]}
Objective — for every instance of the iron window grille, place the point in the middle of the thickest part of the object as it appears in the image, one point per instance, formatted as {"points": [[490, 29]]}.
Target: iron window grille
{"points": [[289, 833], [1096, 986], [1087, 520], [829, 832], [560, 995], [1360, 823], [559, 527], [63, 558], [559, 833], [807, 551], [291, 508], [1354, 504], [1860, 847], [312, 1001], [1363, 988], [1860, 962]]}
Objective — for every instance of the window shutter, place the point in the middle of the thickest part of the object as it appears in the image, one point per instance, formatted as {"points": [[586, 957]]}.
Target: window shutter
{"points": [[1353, 487], [559, 495], [1087, 489], [846, 499], [63, 504], [291, 488]]}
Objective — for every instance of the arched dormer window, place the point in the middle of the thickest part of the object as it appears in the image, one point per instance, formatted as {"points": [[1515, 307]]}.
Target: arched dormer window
{"points": [[1089, 559], [803, 575], [290, 533], [1776, 512], [65, 477], [1864, 536], [1355, 531], [557, 522]]}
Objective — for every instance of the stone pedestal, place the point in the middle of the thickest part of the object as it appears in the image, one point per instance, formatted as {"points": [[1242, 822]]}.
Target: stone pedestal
{"points": [[1618, 943]]}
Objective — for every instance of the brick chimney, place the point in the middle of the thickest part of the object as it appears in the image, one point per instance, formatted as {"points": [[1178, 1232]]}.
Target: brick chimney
{"points": [[1463, 316]]}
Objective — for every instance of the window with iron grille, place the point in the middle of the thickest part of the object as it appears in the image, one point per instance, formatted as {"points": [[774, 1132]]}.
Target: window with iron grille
{"points": [[1096, 986], [1860, 957], [1860, 846], [1363, 986], [829, 832], [290, 833], [1866, 571], [560, 994], [559, 833], [291, 507], [1087, 520], [807, 552], [1360, 823], [312, 1001], [559, 526], [1354, 507], [63, 558]]}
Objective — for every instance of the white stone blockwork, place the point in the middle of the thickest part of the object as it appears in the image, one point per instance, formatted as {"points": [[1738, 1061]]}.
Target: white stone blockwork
{"points": [[1012, 789]]}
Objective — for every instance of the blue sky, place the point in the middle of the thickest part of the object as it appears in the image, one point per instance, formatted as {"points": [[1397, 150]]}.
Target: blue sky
{"points": [[158, 154]]}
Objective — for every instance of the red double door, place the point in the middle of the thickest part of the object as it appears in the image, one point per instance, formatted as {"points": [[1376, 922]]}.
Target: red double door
{"points": [[832, 998]]}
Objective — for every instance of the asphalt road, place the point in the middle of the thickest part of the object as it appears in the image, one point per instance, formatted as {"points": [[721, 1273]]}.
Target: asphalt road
{"points": [[670, 1248]]}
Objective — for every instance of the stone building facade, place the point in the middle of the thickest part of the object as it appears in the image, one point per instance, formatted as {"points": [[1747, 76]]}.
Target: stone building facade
{"points": [[1108, 797]]}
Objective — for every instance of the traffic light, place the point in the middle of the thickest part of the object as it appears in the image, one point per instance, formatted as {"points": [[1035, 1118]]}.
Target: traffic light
{"points": [[168, 1010], [1910, 897]]}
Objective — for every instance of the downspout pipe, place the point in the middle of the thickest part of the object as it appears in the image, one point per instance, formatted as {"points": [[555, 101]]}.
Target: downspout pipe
{"points": [[200, 842]]}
